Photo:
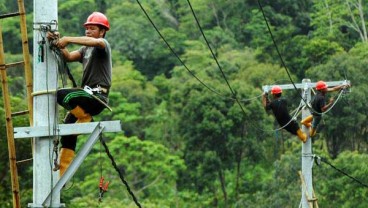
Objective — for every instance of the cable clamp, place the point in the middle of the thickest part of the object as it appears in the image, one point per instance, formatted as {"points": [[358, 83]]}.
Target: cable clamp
{"points": [[46, 26], [308, 155], [317, 160]]}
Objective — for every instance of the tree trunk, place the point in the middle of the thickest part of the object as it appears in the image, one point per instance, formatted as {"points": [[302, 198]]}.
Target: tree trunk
{"points": [[223, 186]]}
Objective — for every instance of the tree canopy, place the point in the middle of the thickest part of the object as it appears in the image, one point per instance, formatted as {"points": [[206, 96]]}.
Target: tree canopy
{"points": [[195, 132]]}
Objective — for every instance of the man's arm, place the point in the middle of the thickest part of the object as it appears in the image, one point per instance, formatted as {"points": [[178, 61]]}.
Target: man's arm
{"points": [[86, 41], [328, 105], [336, 88], [71, 56]]}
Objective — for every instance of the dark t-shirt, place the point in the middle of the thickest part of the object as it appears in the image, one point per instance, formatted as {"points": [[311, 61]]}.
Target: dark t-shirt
{"points": [[318, 102], [97, 66], [280, 110]]}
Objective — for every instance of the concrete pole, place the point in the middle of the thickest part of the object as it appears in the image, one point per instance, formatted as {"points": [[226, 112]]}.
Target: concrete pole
{"points": [[45, 78], [307, 159]]}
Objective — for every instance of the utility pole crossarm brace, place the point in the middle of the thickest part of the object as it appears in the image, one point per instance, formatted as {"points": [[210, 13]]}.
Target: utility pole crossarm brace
{"points": [[78, 160]]}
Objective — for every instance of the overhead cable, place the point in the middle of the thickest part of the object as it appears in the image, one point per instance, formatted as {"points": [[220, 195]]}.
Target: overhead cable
{"points": [[172, 50], [182, 62], [121, 175], [215, 58], [276, 47], [321, 159]]}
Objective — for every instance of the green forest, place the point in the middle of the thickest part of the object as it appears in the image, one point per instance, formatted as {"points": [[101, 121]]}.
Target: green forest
{"points": [[187, 88]]}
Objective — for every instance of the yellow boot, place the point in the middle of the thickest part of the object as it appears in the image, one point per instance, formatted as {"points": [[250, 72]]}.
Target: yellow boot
{"points": [[312, 132], [302, 136], [307, 121], [66, 157], [81, 115]]}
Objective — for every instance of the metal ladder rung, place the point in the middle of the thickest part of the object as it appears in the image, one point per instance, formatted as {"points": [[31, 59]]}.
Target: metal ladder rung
{"points": [[20, 113], [3, 16]]}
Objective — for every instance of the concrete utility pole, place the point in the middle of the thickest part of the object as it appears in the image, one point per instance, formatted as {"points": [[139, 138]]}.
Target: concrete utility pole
{"points": [[308, 199], [45, 78], [307, 157]]}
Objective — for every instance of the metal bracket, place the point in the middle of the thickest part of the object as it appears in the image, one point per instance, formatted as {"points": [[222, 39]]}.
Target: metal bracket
{"points": [[82, 154]]}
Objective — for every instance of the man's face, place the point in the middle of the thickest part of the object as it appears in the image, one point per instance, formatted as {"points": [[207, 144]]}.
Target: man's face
{"points": [[93, 31]]}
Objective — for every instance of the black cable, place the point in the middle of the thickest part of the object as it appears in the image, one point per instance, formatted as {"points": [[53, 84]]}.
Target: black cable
{"points": [[181, 61], [119, 172], [215, 58], [177, 56], [342, 172], [223, 74], [63, 67], [277, 49], [172, 50], [282, 60]]}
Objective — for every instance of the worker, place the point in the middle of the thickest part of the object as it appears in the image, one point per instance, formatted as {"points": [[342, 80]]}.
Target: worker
{"points": [[279, 108], [89, 100], [319, 106]]}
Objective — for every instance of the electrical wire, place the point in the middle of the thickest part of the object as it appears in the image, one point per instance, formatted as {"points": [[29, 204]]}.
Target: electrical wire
{"points": [[215, 58], [223, 74], [48, 113], [339, 170], [282, 60], [334, 103], [61, 64], [121, 175], [182, 62], [172, 50], [211, 89], [277, 49]]}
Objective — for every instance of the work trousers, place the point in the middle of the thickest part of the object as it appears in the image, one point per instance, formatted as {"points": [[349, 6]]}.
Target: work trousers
{"points": [[71, 98]]}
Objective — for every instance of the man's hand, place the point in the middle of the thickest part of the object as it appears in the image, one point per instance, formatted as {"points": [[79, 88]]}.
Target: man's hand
{"points": [[62, 42], [53, 38], [53, 35], [345, 86]]}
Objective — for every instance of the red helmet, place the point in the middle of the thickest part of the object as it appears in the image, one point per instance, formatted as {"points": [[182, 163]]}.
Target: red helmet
{"points": [[321, 85], [276, 90], [97, 18]]}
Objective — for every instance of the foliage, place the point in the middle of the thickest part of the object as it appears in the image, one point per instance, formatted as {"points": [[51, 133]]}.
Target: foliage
{"points": [[149, 168], [195, 132]]}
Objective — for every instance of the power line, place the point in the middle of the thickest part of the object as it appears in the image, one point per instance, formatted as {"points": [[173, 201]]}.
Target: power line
{"points": [[182, 62], [282, 60], [321, 159], [172, 50], [276, 47], [121, 175], [214, 57]]}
